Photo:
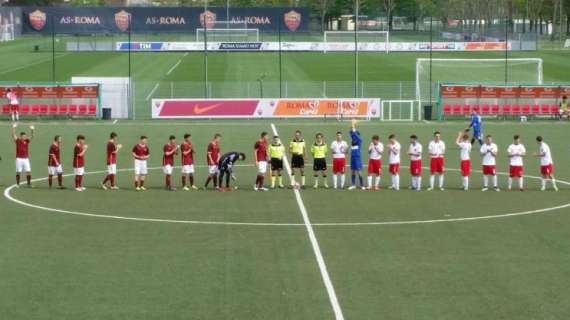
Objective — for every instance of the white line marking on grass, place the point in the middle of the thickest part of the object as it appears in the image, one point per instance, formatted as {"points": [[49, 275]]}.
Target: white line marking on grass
{"points": [[173, 67], [115, 122], [317, 250], [152, 91], [186, 54]]}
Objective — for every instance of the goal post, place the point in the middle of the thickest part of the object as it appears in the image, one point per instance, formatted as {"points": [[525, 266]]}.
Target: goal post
{"points": [[400, 110], [430, 72], [358, 37], [230, 31]]}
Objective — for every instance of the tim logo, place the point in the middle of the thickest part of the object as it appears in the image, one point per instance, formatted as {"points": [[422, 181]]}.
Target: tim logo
{"points": [[123, 20], [207, 19], [38, 20], [292, 20]]}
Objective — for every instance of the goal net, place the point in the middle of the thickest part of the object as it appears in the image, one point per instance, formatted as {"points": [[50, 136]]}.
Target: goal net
{"points": [[6, 32], [362, 38], [490, 71], [228, 31], [400, 110]]}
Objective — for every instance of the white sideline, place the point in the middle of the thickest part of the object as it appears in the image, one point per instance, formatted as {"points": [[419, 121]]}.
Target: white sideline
{"points": [[315, 244]]}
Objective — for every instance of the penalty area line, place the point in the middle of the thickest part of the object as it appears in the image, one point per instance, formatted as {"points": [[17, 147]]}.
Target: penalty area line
{"points": [[151, 93], [314, 243]]}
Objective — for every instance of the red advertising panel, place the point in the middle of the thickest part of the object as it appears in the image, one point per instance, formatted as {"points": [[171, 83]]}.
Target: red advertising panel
{"points": [[206, 108], [53, 91], [503, 92]]}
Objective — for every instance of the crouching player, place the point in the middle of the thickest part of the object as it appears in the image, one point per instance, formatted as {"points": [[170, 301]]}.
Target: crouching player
{"points": [[79, 162], [375, 151], [112, 148], [187, 151], [141, 153], [319, 153], [54, 163], [276, 153], [546, 164], [226, 168]]}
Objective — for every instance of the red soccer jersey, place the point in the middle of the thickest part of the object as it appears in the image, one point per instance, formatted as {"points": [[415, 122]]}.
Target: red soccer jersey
{"points": [[140, 151], [22, 146], [111, 155], [214, 151], [78, 158], [261, 150], [54, 151], [168, 160], [187, 159]]}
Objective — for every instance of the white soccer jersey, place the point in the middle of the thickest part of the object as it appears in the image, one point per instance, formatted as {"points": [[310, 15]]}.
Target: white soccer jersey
{"points": [[415, 151], [376, 150], [464, 150], [516, 151], [338, 149], [13, 97], [394, 157], [486, 152], [546, 158], [436, 149]]}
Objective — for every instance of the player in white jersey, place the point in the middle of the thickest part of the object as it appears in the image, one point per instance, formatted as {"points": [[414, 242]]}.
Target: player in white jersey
{"points": [[489, 151], [394, 149], [339, 149], [415, 152], [12, 97], [465, 146], [546, 164], [516, 151], [375, 150], [436, 149]]}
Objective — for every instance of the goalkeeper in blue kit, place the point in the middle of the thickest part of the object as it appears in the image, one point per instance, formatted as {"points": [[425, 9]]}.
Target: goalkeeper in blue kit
{"points": [[476, 125], [355, 157]]}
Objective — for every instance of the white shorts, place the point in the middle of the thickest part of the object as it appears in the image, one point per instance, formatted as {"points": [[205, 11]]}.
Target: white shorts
{"points": [[23, 165], [79, 171], [52, 171], [188, 169], [213, 169], [140, 168], [112, 169], [167, 169], [262, 167]]}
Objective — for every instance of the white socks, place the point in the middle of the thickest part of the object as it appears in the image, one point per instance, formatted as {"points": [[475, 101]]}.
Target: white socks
{"points": [[376, 181], [485, 181], [465, 182], [417, 183], [495, 183], [336, 182], [396, 181]]}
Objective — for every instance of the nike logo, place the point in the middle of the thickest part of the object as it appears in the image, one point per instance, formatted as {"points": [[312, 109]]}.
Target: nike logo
{"points": [[201, 110]]}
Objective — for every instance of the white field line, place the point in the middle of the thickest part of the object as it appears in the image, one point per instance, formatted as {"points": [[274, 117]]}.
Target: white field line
{"points": [[115, 122], [151, 93], [315, 244], [186, 54], [173, 67]]}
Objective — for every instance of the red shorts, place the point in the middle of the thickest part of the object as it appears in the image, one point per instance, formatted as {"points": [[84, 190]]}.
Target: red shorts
{"points": [[546, 170], [465, 168], [437, 165], [14, 108], [375, 167], [394, 168], [339, 165], [489, 170], [416, 168], [516, 171]]}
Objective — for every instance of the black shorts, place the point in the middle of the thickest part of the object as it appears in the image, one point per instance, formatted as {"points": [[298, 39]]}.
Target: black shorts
{"points": [[276, 164], [297, 161], [320, 164]]}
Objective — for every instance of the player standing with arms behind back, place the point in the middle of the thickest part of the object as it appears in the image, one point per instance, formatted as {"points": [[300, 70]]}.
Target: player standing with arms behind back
{"points": [[23, 154], [79, 162], [319, 153], [187, 150], [516, 151], [260, 158], [339, 148], [298, 150], [141, 153], [394, 149], [489, 152], [12, 97], [546, 164], [213, 158], [465, 146], [112, 148], [375, 150], [276, 153], [436, 149], [415, 153], [54, 163]]}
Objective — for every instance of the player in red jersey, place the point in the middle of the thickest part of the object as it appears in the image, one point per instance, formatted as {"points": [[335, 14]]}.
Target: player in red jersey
{"points": [[54, 163], [213, 158], [170, 150], [22, 154], [112, 149], [260, 157], [79, 162], [187, 150], [141, 153], [12, 97]]}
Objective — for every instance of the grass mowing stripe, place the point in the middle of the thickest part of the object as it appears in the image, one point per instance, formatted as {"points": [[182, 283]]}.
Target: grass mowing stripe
{"points": [[314, 243]]}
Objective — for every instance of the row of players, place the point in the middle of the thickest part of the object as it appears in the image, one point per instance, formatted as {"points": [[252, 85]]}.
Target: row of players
{"points": [[272, 154]]}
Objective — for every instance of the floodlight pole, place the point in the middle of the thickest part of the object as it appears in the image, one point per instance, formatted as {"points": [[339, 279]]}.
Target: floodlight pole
{"points": [[205, 49], [53, 50], [430, 58], [280, 62], [506, 50], [356, 4]]}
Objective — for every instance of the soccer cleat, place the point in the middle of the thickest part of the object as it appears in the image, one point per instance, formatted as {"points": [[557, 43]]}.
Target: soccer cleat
{"points": [[143, 188], [465, 189], [441, 189], [172, 189], [544, 188], [83, 188], [362, 188], [138, 188], [496, 189], [255, 188], [61, 187], [351, 187], [194, 188], [485, 189], [281, 186], [79, 189], [186, 188], [263, 189], [114, 188], [430, 189], [103, 186]]}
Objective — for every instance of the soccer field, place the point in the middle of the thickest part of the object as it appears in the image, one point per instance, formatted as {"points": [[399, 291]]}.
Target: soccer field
{"points": [[250, 255]]}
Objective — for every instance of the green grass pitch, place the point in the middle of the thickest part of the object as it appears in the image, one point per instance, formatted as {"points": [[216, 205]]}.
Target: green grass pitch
{"points": [[247, 255]]}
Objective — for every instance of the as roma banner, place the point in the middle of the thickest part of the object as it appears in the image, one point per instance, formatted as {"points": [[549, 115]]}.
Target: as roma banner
{"points": [[264, 108]]}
